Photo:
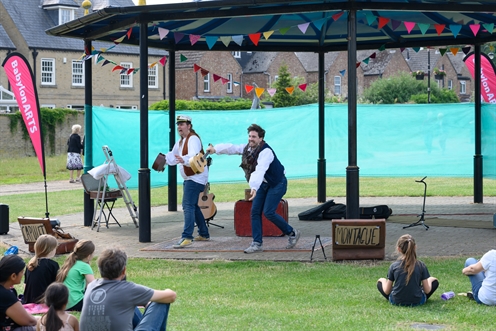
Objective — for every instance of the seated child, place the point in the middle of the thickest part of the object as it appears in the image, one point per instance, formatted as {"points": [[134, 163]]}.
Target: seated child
{"points": [[56, 297]]}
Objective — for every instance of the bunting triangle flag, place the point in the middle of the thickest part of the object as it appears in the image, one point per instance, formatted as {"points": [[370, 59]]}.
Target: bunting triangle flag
{"points": [[489, 27], [196, 67], [409, 26], [136, 71], [423, 27], [226, 40], [416, 49], [342, 72], [248, 88], [236, 83], [129, 71], [255, 37], [395, 24], [370, 17], [193, 38], [129, 33], [267, 34], [475, 28], [358, 64], [366, 61], [211, 40], [439, 28], [402, 49], [105, 62], [303, 87], [152, 65], [163, 60], [216, 77], [271, 91], [99, 59], [382, 22], [183, 58], [224, 80], [117, 68], [238, 39], [382, 48], [284, 30], [335, 17], [466, 50], [119, 40], [203, 72], [162, 33], [373, 55], [290, 89], [442, 51], [178, 36], [319, 23], [455, 29], [303, 28], [123, 71], [454, 50], [259, 91]]}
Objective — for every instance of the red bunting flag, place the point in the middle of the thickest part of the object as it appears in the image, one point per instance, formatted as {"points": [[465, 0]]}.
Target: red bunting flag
{"points": [[303, 87], [117, 68], [224, 80], [358, 64], [335, 17], [383, 21], [255, 37], [129, 33], [216, 77], [130, 71], [163, 60], [248, 88], [439, 28], [203, 72], [196, 67]]}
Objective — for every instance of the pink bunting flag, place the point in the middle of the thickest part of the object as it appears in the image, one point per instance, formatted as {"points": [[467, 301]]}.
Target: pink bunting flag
{"points": [[163, 60], [409, 26], [216, 77], [271, 91], [475, 28], [290, 89], [162, 33], [193, 38], [335, 17], [255, 37], [129, 33], [196, 67], [303, 27], [303, 87], [383, 21], [439, 28], [224, 80], [248, 88]]}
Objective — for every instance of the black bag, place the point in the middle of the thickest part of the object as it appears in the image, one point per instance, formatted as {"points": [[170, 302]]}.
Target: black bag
{"points": [[335, 212], [315, 214], [381, 211]]}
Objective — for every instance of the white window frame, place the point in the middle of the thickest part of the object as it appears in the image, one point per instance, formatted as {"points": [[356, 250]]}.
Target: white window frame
{"points": [[65, 14], [50, 106], [47, 71], [463, 87], [125, 80], [77, 73], [126, 107], [337, 85], [206, 83], [229, 83], [153, 77], [76, 107], [450, 84], [236, 54]]}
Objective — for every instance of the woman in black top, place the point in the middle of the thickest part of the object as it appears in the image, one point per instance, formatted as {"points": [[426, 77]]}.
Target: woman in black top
{"points": [[74, 161]]}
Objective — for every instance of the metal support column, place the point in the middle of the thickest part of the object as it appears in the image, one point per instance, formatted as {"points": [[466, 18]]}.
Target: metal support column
{"points": [[478, 174], [321, 163], [89, 206], [172, 171]]}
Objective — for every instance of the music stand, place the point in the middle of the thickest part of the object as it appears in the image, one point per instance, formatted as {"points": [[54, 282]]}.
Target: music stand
{"points": [[421, 220]]}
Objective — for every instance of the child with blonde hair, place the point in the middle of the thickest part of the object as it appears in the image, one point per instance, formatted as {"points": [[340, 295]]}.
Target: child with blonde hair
{"points": [[408, 281], [41, 270], [57, 319], [76, 273]]}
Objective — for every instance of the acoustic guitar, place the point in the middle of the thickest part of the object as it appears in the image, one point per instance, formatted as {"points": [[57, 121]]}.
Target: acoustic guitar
{"points": [[206, 203], [198, 162]]}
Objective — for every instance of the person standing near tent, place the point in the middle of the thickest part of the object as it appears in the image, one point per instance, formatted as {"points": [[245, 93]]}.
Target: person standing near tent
{"points": [[266, 176], [74, 148], [194, 183]]}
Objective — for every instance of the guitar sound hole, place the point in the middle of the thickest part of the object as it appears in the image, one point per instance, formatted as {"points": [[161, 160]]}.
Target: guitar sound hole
{"points": [[204, 198]]}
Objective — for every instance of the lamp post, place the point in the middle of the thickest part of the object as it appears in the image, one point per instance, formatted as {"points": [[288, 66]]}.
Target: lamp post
{"points": [[428, 75]]}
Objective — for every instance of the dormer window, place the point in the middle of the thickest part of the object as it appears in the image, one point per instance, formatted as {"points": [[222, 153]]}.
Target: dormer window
{"points": [[65, 15]]}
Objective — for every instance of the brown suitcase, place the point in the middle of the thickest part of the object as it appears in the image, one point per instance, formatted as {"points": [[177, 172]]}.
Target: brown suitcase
{"points": [[159, 163], [242, 219]]}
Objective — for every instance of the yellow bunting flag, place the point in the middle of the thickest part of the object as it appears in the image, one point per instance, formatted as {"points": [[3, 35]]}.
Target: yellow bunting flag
{"points": [[290, 89], [268, 34], [259, 91]]}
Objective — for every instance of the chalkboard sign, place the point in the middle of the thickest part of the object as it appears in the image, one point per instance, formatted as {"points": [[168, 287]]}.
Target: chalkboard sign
{"points": [[358, 239]]}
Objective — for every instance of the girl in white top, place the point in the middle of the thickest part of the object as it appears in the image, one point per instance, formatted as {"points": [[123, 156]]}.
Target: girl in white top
{"points": [[57, 319], [482, 275]]}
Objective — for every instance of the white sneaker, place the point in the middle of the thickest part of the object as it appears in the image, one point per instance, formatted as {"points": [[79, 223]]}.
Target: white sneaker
{"points": [[292, 240], [254, 248]]}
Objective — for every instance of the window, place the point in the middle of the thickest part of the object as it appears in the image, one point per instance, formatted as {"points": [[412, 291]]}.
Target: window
{"points": [[206, 83], [47, 71], [230, 83], [77, 73], [65, 15], [450, 84], [337, 85], [76, 107], [126, 80], [463, 87], [50, 106], [126, 107], [153, 77], [236, 55], [276, 77]]}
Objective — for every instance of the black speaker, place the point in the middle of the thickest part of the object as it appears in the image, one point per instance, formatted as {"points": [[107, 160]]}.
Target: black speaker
{"points": [[4, 219]]}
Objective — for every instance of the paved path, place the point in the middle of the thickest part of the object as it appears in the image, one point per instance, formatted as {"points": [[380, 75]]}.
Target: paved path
{"points": [[166, 225]]}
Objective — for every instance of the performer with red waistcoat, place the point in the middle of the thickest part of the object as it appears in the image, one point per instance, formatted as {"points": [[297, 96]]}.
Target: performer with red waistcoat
{"points": [[266, 177], [194, 183]]}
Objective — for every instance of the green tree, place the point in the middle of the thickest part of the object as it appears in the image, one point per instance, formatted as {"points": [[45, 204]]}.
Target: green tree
{"points": [[282, 98]]}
